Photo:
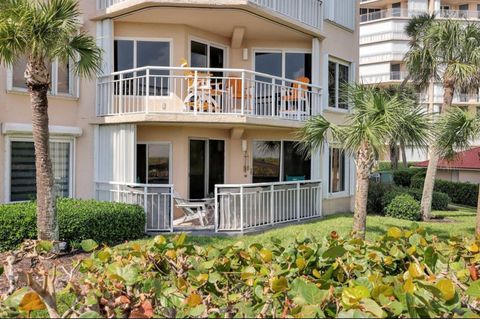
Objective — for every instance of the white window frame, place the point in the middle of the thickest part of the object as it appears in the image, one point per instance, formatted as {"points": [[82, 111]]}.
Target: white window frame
{"points": [[73, 88], [349, 175], [282, 160], [28, 138], [137, 39], [337, 62], [225, 48], [345, 170], [170, 158], [284, 53]]}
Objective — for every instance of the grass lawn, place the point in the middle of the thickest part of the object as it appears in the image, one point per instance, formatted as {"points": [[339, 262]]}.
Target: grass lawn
{"points": [[464, 225]]}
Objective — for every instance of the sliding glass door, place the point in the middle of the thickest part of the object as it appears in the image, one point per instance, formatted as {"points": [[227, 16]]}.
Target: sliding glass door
{"points": [[203, 55], [207, 167]]}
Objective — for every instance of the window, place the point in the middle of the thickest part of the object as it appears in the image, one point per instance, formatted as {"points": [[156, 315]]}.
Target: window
{"points": [[22, 169], [338, 77], [337, 171], [275, 161], [60, 74], [463, 10], [395, 71], [396, 9], [290, 65], [131, 54], [203, 55], [153, 163], [369, 14]]}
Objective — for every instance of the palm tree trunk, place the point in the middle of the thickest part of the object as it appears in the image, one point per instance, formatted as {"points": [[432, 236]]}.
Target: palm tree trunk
{"points": [[393, 156], [429, 184], [38, 82], [404, 154], [477, 228], [363, 166]]}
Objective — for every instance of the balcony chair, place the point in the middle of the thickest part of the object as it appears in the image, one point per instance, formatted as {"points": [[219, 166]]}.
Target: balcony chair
{"points": [[200, 210], [234, 93], [296, 102], [201, 89]]}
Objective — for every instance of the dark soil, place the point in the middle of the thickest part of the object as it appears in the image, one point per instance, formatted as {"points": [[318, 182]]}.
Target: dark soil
{"points": [[64, 262]]}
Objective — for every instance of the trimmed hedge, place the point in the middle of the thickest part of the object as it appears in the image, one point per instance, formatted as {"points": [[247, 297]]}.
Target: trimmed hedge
{"points": [[403, 177], [460, 193], [440, 200], [404, 207], [381, 195], [108, 223]]}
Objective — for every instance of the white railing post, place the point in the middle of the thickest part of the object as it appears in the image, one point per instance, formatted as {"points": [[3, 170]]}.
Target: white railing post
{"points": [[147, 87], [241, 209], [172, 209], [243, 92], [216, 219], [272, 205], [145, 205], [274, 102], [298, 201], [195, 92], [120, 98]]}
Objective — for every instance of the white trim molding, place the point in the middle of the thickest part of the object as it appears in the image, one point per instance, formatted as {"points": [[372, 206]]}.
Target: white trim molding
{"points": [[23, 128]]}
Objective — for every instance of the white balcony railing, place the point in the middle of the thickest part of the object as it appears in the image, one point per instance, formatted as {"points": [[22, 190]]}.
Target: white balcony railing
{"points": [[206, 91], [156, 200], [308, 12], [384, 77], [384, 36], [458, 14], [238, 208], [242, 208], [389, 13]]}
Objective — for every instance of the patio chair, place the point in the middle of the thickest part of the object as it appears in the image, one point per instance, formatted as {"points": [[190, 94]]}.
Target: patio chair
{"points": [[296, 102], [200, 210], [234, 90]]}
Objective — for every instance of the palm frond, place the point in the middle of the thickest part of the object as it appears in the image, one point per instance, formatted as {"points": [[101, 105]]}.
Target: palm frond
{"points": [[455, 131]]}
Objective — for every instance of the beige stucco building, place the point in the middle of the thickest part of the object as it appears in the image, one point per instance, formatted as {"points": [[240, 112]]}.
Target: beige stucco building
{"points": [[198, 99]]}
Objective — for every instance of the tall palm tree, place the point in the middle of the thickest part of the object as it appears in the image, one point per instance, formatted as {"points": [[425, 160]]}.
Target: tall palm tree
{"points": [[455, 132], [45, 31], [374, 119], [446, 51]]}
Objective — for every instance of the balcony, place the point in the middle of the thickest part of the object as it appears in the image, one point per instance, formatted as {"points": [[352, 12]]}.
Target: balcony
{"points": [[458, 14], [384, 77], [384, 36], [236, 209], [206, 91], [388, 13], [308, 12]]}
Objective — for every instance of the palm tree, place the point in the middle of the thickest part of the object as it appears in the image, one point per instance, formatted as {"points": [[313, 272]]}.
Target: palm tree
{"points": [[373, 121], [400, 140], [45, 31], [446, 51], [455, 132]]}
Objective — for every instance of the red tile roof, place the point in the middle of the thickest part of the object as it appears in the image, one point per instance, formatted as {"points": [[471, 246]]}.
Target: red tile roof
{"points": [[465, 160]]}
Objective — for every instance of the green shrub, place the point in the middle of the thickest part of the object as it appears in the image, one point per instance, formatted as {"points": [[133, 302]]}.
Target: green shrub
{"points": [[403, 177], [460, 193], [376, 192], [402, 274], [404, 207], [108, 223], [440, 201]]}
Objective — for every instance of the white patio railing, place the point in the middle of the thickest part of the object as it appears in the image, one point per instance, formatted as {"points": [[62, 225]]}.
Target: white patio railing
{"points": [[458, 14], [308, 12], [389, 13], [156, 200], [242, 208], [206, 90]]}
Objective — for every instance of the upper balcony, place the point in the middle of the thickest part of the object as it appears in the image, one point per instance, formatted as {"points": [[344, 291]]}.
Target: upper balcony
{"points": [[207, 94], [308, 13], [389, 13]]}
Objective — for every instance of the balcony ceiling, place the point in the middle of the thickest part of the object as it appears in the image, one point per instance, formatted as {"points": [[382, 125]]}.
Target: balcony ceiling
{"points": [[218, 21], [380, 4]]}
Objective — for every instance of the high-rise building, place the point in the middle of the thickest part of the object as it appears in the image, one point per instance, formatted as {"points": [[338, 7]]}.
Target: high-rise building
{"points": [[384, 43]]}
